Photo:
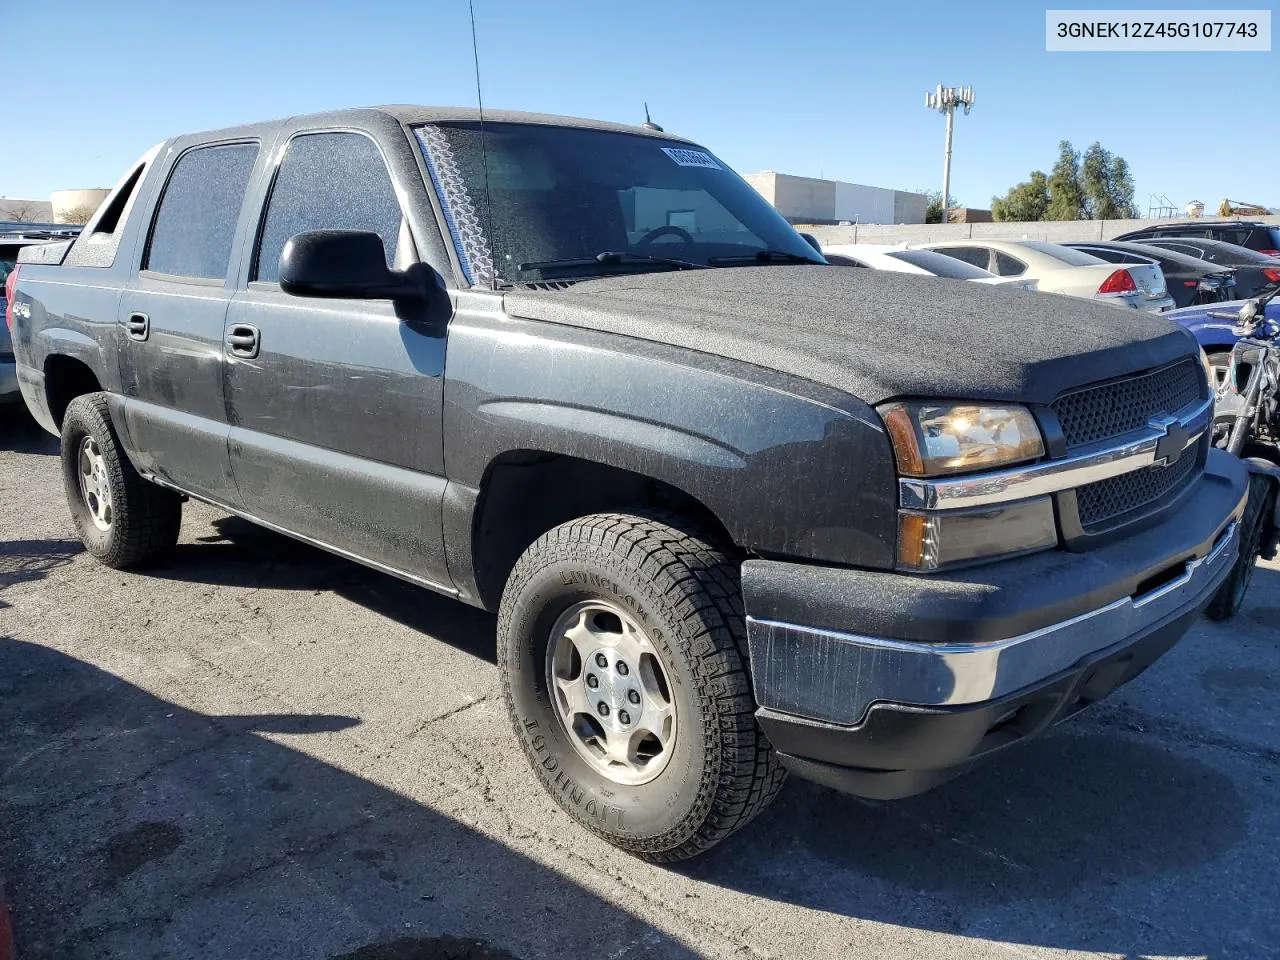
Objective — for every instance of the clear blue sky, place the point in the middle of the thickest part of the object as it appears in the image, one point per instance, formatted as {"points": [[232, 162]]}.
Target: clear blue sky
{"points": [[834, 88]]}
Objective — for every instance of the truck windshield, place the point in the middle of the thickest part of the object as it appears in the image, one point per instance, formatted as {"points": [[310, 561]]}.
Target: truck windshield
{"points": [[568, 202]]}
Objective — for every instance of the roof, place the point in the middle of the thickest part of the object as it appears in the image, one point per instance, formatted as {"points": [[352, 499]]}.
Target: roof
{"points": [[410, 114], [1206, 223]]}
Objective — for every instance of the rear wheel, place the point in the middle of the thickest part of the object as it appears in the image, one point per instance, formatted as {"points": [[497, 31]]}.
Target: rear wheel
{"points": [[122, 519], [1226, 603], [622, 652]]}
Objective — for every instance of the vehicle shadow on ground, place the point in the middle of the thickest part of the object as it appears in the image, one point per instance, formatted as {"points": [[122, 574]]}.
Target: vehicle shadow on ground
{"points": [[240, 553], [134, 827], [21, 434], [1075, 842], [22, 561]]}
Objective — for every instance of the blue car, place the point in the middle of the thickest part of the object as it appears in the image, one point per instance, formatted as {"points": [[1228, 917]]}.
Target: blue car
{"points": [[1216, 334]]}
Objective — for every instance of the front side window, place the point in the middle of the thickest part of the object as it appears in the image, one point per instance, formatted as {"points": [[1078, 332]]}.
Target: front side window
{"points": [[567, 202], [196, 221], [328, 181]]}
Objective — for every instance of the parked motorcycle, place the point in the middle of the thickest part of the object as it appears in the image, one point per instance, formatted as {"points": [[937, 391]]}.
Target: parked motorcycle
{"points": [[1247, 423]]}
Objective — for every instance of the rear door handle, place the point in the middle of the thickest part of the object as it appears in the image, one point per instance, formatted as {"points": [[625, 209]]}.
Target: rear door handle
{"points": [[244, 340], [138, 326]]}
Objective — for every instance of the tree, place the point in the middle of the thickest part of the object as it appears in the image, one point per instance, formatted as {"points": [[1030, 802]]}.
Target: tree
{"points": [[933, 207], [20, 212], [1066, 197], [1028, 200], [1122, 189], [1095, 170], [1097, 186], [80, 214]]}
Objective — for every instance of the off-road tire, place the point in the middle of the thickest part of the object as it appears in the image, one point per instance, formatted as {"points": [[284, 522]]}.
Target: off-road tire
{"points": [[685, 592], [1226, 603], [145, 518]]}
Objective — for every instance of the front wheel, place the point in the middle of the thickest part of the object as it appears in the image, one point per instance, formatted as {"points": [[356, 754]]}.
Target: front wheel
{"points": [[622, 653], [1226, 603]]}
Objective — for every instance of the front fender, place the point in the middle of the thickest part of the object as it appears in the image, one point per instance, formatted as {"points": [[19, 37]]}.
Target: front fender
{"points": [[789, 468]]}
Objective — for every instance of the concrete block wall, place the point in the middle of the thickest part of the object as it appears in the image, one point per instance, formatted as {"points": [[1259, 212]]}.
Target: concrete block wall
{"points": [[1054, 231]]}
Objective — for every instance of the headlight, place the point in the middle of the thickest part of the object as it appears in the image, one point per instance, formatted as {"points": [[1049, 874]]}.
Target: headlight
{"points": [[933, 439]]}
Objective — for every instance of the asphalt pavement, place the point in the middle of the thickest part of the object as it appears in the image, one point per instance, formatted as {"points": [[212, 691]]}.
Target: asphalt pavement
{"points": [[258, 750]]}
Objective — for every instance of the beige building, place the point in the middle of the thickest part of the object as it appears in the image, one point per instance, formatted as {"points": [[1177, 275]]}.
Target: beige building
{"points": [[811, 200]]}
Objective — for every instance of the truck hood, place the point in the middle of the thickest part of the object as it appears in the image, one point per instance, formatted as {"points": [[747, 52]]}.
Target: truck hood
{"points": [[870, 333]]}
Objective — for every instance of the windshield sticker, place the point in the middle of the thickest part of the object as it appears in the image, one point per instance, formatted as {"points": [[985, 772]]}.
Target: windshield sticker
{"points": [[691, 158]]}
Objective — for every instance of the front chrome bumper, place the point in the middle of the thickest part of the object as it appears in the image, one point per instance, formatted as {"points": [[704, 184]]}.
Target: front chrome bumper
{"points": [[835, 677]]}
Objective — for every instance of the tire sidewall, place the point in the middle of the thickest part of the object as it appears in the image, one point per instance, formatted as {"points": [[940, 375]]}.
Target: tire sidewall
{"points": [[649, 811]]}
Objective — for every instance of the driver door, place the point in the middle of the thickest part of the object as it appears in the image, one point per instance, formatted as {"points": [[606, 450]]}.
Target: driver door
{"points": [[335, 404]]}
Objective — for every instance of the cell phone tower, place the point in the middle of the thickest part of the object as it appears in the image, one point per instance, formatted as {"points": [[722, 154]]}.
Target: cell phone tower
{"points": [[945, 100]]}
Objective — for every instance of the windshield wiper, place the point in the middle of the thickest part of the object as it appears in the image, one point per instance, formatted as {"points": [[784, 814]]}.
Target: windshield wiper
{"points": [[765, 256], [610, 258]]}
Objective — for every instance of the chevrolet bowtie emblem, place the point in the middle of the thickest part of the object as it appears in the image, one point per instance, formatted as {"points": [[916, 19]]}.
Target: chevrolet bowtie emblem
{"points": [[1172, 442]]}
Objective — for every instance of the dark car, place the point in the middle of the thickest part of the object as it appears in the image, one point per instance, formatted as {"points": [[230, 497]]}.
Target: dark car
{"points": [[13, 237], [737, 510], [1190, 281], [1255, 273], [1262, 238]]}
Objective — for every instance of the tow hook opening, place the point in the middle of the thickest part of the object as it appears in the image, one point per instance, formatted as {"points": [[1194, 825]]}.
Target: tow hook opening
{"points": [[1158, 580]]}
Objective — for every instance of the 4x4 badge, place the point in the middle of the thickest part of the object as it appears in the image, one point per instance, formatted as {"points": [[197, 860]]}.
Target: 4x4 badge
{"points": [[1170, 446]]}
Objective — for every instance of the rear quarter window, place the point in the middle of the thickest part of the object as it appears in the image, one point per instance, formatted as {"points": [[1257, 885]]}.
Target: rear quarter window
{"points": [[195, 224]]}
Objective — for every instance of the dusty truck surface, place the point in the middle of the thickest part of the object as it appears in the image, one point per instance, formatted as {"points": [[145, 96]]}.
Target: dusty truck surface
{"points": [[738, 512]]}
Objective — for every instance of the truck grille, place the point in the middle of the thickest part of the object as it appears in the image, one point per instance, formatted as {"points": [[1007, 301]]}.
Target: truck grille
{"points": [[1108, 503], [1110, 409]]}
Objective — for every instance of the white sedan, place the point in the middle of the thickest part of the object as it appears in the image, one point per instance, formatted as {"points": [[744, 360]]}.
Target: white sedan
{"points": [[1059, 269], [925, 263]]}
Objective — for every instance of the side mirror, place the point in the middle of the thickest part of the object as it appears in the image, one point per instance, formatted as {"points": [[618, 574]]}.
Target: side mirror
{"points": [[812, 241], [341, 263]]}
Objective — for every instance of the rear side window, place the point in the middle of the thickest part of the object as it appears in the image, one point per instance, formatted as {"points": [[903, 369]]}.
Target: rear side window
{"points": [[328, 181], [1111, 256], [1184, 248], [978, 256], [1067, 255], [841, 260], [1236, 236], [196, 222], [1007, 266]]}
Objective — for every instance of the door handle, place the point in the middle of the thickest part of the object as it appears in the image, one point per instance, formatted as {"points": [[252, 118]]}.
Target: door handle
{"points": [[244, 340], [138, 326]]}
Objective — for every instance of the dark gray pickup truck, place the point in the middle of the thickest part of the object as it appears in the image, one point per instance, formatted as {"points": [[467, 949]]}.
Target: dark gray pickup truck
{"points": [[737, 511]]}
